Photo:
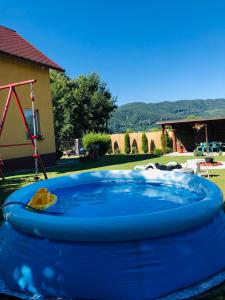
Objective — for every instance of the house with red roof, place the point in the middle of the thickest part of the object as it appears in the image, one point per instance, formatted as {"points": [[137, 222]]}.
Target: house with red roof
{"points": [[21, 61]]}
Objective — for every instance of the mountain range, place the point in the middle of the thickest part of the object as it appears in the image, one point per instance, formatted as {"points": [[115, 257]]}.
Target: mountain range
{"points": [[140, 116]]}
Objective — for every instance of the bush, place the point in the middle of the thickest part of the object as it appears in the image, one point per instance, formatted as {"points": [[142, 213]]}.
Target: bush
{"points": [[198, 153], [220, 153], [117, 151], [59, 153], [158, 152], [134, 149], [144, 143], [116, 148], [168, 142], [110, 150], [167, 150], [152, 146], [100, 140], [127, 143]]}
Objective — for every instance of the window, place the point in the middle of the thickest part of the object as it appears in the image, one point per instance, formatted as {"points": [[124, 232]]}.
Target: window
{"points": [[29, 119]]}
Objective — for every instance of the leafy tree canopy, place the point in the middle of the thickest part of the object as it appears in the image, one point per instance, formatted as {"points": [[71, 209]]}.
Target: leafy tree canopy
{"points": [[80, 105]]}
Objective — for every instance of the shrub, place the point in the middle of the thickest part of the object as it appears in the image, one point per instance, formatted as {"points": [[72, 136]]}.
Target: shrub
{"points": [[168, 142], [167, 150], [220, 153], [158, 152], [127, 143], [134, 149], [144, 143], [116, 148], [117, 151], [152, 146], [198, 153], [99, 140], [59, 153], [110, 150]]}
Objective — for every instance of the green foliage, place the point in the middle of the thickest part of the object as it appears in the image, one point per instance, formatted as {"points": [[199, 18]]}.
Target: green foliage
{"points": [[110, 150], [80, 105], [139, 116], [116, 148], [144, 143], [158, 152], [220, 153], [117, 151], [198, 153], [167, 150], [59, 153], [99, 140], [168, 142], [152, 146], [127, 143], [134, 149]]}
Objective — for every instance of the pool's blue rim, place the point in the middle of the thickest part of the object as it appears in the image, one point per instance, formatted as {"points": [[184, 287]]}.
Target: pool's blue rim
{"points": [[122, 228]]}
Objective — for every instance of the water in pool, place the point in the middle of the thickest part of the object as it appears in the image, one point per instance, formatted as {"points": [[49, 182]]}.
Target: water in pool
{"points": [[109, 199]]}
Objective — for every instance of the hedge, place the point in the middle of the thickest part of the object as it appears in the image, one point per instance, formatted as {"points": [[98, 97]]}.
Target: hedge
{"points": [[101, 140]]}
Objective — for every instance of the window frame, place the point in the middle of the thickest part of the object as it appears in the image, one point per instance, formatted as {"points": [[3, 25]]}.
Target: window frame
{"points": [[30, 123]]}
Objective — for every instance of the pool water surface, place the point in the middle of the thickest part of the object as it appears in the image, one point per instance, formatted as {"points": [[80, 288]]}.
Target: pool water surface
{"points": [[122, 198]]}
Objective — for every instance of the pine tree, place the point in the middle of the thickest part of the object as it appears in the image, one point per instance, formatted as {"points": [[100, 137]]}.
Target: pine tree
{"points": [[144, 145], [127, 143]]}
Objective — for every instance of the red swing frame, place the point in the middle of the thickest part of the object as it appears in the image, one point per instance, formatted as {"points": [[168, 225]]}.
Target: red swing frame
{"points": [[12, 92]]}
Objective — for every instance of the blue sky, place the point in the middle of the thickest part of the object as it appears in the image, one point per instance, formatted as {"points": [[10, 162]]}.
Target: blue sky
{"points": [[145, 50]]}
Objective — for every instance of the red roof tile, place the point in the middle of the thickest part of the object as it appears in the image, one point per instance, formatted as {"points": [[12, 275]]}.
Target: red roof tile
{"points": [[12, 43]]}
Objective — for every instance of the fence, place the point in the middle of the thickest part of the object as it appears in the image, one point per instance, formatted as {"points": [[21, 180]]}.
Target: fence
{"points": [[72, 145], [154, 140]]}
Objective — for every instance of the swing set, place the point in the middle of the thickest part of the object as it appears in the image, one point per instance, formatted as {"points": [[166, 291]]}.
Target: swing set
{"points": [[33, 137]]}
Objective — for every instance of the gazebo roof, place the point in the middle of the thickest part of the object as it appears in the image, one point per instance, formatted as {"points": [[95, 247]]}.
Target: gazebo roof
{"points": [[191, 121]]}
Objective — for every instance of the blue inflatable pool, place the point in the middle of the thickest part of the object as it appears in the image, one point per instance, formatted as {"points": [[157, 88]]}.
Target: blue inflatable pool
{"points": [[115, 235]]}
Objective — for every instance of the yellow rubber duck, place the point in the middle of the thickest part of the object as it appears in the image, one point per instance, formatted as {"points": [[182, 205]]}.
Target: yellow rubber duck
{"points": [[42, 199]]}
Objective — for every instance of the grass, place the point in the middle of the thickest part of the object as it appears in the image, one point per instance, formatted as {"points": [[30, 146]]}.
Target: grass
{"points": [[110, 162]]}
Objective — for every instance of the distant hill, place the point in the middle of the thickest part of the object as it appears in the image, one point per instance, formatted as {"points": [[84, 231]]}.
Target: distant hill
{"points": [[140, 116]]}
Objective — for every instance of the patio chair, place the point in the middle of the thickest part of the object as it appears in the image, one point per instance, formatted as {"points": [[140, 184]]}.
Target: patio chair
{"points": [[213, 146], [200, 171], [195, 164], [198, 147], [222, 147], [203, 147]]}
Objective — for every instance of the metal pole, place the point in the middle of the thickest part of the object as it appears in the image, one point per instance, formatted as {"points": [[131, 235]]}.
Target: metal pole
{"points": [[35, 130], [6, 109], [33, 137], [29, 133], [11, 85]]}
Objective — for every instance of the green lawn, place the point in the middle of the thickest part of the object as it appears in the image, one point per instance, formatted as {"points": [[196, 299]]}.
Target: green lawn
{"points": [[109, 162]]}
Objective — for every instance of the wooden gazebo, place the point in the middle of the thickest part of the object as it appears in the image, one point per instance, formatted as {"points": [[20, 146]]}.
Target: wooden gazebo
{"points": [[187, 133]]}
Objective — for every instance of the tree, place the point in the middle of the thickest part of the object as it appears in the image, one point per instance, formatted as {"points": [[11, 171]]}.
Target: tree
{"points": [[80, 105], [61, 94], [127, 143], [152, 146], [116, 148], [144, 143], [168, 142], [134, 149]]}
